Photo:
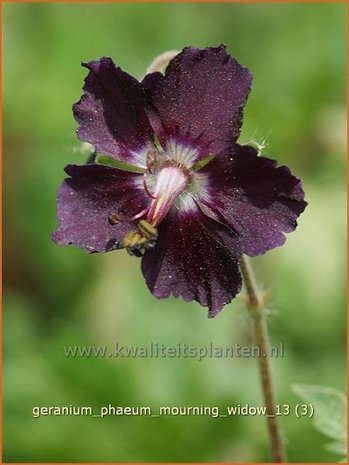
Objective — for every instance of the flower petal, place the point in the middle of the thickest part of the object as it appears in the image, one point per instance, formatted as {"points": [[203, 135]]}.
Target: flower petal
{"points": [[88, 197], [196, 258], [254, 197], [199, 101], [111, 113]]}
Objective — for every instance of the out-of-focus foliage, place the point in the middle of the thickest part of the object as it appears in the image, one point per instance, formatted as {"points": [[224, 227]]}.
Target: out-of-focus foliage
{"points": [[56, 296], [330, 413]]}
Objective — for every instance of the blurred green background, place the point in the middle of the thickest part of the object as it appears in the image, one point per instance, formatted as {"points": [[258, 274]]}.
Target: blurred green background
{"points": [[56, 296]]}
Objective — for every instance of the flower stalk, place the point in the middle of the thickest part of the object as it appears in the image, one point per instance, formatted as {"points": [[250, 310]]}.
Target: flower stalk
{"points": [[256, 303]]}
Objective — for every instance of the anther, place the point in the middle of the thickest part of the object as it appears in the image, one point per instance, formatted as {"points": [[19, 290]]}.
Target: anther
{"points": [[147, 191], [114, 218]]}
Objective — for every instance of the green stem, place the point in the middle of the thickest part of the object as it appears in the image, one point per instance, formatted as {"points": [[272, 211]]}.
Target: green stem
{"points": [[256, 302]]}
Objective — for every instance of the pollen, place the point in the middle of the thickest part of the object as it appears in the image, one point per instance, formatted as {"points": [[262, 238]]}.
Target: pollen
{"points": [[139, 240]]}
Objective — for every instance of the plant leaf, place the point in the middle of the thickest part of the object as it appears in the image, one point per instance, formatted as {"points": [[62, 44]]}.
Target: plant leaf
{"points": [[330, 407], [338, 447]]}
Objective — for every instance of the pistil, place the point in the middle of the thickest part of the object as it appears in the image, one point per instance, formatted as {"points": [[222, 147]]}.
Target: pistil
{"points": [[171, 180]]}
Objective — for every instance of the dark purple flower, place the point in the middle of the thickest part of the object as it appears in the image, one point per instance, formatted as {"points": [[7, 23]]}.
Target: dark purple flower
{"points": [[200, 199]]}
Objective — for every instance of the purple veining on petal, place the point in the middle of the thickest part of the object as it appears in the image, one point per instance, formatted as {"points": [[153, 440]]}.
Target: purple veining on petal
{"points": [[111, 113], [199, 100], [182, 153]]}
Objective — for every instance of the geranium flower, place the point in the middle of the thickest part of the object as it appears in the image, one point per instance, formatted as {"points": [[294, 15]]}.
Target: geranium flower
{"points": [[199, 200]]}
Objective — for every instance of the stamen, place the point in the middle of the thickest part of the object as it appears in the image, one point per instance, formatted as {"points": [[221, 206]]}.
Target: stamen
{"points": [[171, 178], [147, 191], [114, 218], [152, 160]]}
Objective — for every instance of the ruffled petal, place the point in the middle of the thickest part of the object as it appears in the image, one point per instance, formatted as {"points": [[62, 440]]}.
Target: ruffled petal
{"points": [[254, 197], [88, 197], [196, 258], [111, 113], [199, 100]]}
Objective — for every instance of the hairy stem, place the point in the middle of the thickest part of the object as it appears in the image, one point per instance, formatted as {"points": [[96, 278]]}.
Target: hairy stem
{"points": [[256, 302]]}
